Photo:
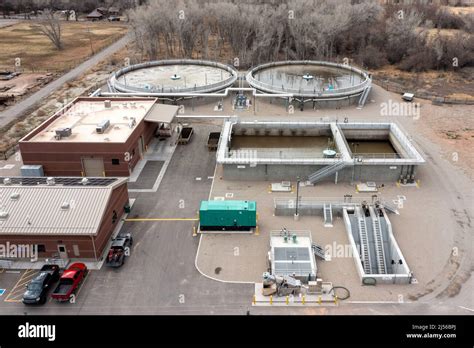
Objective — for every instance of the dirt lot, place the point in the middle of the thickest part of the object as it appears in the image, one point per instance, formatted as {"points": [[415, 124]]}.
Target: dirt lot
{"points": [[452, 129], [37, 53], [452, 84], [91, 80]]}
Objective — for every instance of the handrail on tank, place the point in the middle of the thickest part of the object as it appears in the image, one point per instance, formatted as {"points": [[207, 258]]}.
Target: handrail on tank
{"points": [[346, 91], [113, 80]]}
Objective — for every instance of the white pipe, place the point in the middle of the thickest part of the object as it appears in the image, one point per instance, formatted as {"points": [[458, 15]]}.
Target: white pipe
{"points": [[222, 94]]}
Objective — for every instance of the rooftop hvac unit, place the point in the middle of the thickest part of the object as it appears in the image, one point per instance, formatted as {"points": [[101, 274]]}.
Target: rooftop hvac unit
{"points": [[50, 181], [107, 104], [102, 127], [132, 122], [63, 133], [7, 181]]}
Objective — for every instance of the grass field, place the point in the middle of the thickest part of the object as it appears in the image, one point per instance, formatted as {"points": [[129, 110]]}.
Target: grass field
{"points": [[37, 53]]}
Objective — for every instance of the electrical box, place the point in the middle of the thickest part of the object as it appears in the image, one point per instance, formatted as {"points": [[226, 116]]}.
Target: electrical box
{"points": [[228, 215], [32, 170]]}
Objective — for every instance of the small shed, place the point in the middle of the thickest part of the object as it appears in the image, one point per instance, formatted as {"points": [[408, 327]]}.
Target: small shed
{"points": [[95, 16]]}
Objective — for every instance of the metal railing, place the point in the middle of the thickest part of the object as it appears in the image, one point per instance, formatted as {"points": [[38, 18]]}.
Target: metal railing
{"points": [[297, 233], [375, 155], [320, 201], [207, 88], [345, 91], [277, 153]]}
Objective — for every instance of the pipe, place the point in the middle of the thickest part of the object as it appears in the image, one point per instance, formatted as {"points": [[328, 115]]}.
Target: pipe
{"points": [[219, 94]]}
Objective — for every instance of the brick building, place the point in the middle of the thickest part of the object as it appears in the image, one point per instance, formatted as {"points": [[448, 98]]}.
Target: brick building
{"points": [[95, 137], [64, 217]]}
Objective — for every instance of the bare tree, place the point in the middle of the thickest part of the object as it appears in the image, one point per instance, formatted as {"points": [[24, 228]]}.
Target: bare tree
{"points": [[50, 26], [260, 31]]}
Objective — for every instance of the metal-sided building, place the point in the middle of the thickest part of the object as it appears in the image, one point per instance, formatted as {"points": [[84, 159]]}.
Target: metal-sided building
{"points": [[95, 137], [70, 217]]}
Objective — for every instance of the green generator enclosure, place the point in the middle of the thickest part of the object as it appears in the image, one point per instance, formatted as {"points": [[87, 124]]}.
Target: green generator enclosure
{"points": [[228, 215]]}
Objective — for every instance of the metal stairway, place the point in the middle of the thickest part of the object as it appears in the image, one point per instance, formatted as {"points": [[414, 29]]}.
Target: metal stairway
{"points": [[318, 251], [327, 210], [364, 95], [326, 171], [364, 242], [390, 207], [378, 242]]}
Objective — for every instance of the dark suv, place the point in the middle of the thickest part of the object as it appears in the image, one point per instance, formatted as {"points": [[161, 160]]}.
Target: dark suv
{"points": [[37, 290]]}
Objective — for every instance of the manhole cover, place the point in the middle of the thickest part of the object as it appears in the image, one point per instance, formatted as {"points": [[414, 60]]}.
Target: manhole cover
{"points": [[218, 270]]}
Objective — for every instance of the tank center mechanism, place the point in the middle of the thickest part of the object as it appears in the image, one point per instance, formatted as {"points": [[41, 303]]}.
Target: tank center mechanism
{"points": [[175, 77], [308, 77]]}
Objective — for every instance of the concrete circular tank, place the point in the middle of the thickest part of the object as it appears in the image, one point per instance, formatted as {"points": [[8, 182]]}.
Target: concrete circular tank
{"points": [[309, 79], [173, 76]]}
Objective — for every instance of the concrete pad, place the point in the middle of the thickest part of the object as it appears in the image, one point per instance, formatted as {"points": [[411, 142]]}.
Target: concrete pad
{"points": [[418, 230]]}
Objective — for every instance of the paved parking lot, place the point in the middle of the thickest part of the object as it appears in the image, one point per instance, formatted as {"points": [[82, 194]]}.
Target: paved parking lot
{"points": [[159, 277]]}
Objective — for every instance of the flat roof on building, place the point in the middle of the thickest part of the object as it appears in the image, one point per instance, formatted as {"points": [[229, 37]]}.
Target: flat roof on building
{"points": [[292, 255], [162, 113], [84, 115], [66, 206]]}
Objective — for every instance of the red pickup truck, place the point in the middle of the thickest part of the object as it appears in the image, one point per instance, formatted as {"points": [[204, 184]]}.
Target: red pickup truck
{"points": [[69, 281]]}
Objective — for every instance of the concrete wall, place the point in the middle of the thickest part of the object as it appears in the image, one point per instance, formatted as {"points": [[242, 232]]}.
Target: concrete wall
{"points": [[274, 172], [366, 134]]}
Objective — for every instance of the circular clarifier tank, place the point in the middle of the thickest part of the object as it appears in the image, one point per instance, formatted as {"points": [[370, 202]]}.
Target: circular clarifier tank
{"points": [[174, 76], [310, 79]]}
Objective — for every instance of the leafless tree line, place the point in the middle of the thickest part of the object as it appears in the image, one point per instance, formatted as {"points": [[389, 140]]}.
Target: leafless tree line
{"points": [[255, 32]]}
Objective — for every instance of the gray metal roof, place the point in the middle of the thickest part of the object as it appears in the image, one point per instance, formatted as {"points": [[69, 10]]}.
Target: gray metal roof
{"points": [[53, 210]]}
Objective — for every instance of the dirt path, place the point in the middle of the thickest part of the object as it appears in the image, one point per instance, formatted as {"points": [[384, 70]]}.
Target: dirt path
{"points": [[22, 107]]}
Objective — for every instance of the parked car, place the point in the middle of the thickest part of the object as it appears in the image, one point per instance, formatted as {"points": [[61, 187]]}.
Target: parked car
{"points": [[118, 250], [113, 19], [69, 281], [37, 290], [408, 97]]}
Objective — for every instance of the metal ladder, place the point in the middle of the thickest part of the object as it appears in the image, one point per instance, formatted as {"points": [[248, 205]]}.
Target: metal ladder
{"points": [[327, 210], [364, 95], [326, 171], [364, 242], [378, 242]]}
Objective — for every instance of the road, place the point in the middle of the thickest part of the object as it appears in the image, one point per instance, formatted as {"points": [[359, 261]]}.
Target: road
{"points": [[23, 106], [7, 22]]}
